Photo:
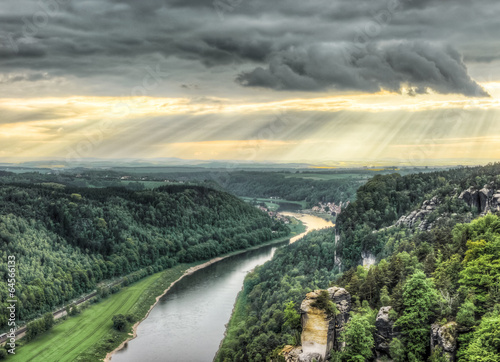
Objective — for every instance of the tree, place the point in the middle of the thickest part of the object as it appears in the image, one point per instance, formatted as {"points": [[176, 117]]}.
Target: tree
{"points": [[438, 356], [397, 350], [48, 319], [292, 317], [119, 322], [466, 314], [385, 299], [419, 300], [358, 338], [485, 343]]}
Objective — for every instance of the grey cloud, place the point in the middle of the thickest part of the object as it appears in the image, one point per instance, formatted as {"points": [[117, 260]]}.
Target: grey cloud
{"points": [[290, 44], [390, 66]]}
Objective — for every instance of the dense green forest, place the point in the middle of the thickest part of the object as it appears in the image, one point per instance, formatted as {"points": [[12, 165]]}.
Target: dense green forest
{"points": [[260, 184], [450, 273], [66, 240], [382, 200], [272, 184]]}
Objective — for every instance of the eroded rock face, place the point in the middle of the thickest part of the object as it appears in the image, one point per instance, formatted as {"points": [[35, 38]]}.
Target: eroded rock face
{"points": [[311, 357], [385, 331], [291, 353], [446, 338], [319, 331], [417, 218], [342, 300], [484, 200]]}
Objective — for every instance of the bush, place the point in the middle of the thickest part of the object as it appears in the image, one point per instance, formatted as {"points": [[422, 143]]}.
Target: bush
{"points": [[119, 322], [323, 302]]}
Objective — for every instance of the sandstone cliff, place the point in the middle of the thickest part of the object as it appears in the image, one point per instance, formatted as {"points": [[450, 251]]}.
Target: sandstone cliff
{"points": [[418, 218], [486, 199], [320, 331]]}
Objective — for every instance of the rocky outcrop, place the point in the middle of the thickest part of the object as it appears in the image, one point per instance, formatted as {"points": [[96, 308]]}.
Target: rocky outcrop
{"points": [[291, 353], [484, 200], [384, 331], [320, 332], [418, 218], [445, 337]]}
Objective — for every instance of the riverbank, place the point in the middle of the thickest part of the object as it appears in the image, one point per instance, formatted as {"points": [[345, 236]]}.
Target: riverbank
{"points": [[311, 223], [190, 271], [89, 336]]}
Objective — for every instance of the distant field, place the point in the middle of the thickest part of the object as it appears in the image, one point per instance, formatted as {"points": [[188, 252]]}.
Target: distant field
{"points": [[147, 184], [273, 204], [328, 176]]}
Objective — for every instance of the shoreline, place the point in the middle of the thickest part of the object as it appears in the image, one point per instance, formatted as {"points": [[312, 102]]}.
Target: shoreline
{"points": [[308, 228], [189, 271]]}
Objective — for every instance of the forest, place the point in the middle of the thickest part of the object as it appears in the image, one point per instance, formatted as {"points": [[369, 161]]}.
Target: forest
{"points": [[449, 275], [260, 184], [272, 184], [66, 240], [383, 199]]}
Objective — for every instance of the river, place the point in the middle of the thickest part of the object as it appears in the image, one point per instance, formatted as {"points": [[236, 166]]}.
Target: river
{"points": [[189, 321]]}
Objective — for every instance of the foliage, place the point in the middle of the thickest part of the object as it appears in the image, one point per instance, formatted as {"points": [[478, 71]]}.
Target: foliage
{"points": [[89, 336], [385, 198], [119, 322], [358, 337], [292, 316], [438, 356], [324, 302], [397, 350], [485, 343], [466, 314], [67, 240], [481, 264], [39, 326], [419, 299]]}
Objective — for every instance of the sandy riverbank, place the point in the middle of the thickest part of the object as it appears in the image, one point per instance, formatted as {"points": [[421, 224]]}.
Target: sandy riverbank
{"points": [[310, 221]]}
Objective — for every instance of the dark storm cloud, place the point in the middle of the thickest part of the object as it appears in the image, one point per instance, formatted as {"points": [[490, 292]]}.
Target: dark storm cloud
{"points": [[288, 44], [414, 65]]}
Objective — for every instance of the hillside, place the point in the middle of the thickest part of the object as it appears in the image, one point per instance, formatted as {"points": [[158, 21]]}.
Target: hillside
{"points": [[439, 273], [66, 240]]}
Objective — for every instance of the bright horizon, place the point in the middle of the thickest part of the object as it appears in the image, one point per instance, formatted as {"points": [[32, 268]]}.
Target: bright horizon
{"points": [[253, 83]]}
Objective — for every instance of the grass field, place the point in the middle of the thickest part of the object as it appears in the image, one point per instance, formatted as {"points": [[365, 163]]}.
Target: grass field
{"points": [[89, 335]]}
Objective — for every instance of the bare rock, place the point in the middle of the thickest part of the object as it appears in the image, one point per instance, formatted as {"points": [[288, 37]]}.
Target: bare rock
{"points": [[320, 331], [484, 200], [446, 338], [384, 331], [291, 353], [311, 357]]}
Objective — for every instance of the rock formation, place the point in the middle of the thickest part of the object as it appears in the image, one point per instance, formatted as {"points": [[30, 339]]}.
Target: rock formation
{"points": [[446, 338], [417, 218], [320, 332], [291, 353], [484, 200], [384, 331]]}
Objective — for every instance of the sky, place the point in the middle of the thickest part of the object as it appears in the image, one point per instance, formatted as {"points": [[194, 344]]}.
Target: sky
{"points": [[326, 81]]}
